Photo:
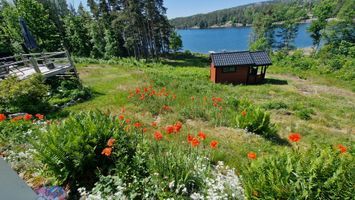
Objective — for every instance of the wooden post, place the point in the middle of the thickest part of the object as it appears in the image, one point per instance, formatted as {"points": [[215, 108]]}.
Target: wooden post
{"points": [[35, 65], [71, 63], [44, 59], [24, 60]]}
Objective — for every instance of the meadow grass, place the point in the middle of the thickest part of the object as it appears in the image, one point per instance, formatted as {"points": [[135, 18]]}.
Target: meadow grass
{"points": [[322, 112]]}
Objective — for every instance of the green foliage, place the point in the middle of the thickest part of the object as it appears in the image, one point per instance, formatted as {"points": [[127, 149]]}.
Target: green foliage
{"points": [[16, 131], [175, 42], [318, 173], [275, 105], [242, 14], [72, 149], [255, 120], [65, 90], [30, 95], [37, 19]]}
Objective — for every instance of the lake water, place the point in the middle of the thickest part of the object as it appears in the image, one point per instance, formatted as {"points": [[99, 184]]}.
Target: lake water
{"points": [[230, 39]]}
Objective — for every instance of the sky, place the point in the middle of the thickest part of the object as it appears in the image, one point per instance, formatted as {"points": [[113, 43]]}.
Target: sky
{"points": [[183, 8]]}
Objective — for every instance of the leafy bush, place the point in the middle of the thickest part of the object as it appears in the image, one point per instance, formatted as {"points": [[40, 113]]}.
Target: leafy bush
{"points": [[15, 131], [319, 173], [275, 105], [305, 113], [72, 149], [65, 90], [29, 95], [255, 120]]}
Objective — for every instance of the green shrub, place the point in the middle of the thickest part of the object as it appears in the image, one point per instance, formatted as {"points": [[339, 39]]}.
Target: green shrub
{"points": [[65, 90], [72, 149], [275, 105], [319, 173], [255, 120], [15, 132], [29, 95], [305, 113]]}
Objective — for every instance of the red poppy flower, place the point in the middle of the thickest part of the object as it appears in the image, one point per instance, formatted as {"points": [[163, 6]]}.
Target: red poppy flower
{"points": [[107, 151], [244, 113], [138, 90], [137, 124], [170, 129], [294, 137], [27, 117], [128, 121], [189, 138], [213, 144], [177, 126], [142, 97], [195, 142], [39, 116], [215, 104], [166, 108], [202, 135], [121, 117], [111, 142], [15, 119], [252, 155], [158, 136], [144, 130], [342, 148], [2, 117], [154, 124]]}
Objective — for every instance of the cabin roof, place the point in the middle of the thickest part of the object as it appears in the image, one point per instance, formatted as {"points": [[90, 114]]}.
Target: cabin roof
{"points": [[258, 58]]}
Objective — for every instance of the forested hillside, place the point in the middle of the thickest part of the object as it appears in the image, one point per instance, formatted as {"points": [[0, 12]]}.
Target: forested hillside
{"points": [[110, 29], [245, 15]]}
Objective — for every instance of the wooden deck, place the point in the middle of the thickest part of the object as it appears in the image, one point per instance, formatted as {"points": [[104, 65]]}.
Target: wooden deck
{"points": [[48, 64]]}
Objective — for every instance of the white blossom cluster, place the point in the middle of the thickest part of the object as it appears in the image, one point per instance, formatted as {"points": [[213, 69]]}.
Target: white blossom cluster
{"points": [[224, 184], [18, 160], [99, 193]]}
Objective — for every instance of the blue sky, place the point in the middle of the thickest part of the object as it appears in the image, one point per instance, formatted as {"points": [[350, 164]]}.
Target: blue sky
{"points": [[181, 8]]}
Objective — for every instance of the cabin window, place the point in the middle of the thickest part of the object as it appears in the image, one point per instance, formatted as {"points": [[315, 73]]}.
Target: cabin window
{"points": [[228, 69]]}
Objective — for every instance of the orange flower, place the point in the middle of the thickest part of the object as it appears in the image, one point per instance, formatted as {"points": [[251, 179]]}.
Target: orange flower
{"points": [[215, 104], [170, 129], [15, 119], [107, 151], [39, 116], [342, 148], [111, 142], [142, 97], [27, 117], [154, 124], [252, 155], [189, 138], [144, 130], [213, 144], [244, 113], [138, 90], [128, 121], [202, 135], [166, 108], [137, 124], [294, 137], [2, 117], [158, 136], [177, 126], [121, 117], [195, 142]]}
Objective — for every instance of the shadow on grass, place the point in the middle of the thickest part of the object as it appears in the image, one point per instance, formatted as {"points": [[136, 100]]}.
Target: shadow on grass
{"points": [[273, 81], [276, 139], [186, 60]]}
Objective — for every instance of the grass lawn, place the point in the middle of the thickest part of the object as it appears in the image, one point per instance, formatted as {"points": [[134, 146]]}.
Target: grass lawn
{"points": [[322, 114]]}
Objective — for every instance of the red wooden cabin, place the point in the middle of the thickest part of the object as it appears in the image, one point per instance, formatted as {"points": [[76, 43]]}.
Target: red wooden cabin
{"points": [[242, 67]]}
